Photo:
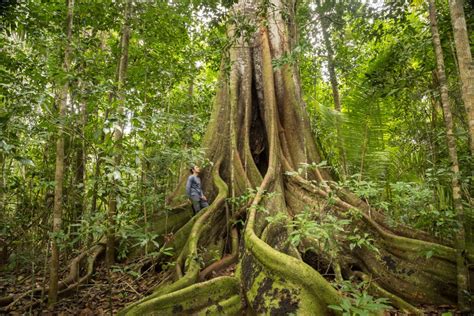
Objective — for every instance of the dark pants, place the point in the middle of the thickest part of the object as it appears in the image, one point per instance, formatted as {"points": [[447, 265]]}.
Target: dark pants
{"points": [[198, 204]]}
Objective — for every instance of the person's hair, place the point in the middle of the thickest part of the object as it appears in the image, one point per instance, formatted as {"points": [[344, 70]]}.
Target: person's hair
{"points": [[191, 170]]}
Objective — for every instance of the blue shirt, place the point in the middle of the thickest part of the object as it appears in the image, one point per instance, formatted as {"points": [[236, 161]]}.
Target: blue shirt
{"points": [[193, 186]]}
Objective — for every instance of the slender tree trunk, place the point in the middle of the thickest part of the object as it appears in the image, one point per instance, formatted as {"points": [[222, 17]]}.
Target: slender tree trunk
{"points": [[464, 57], [3, 207], [330, 55], [462, 270], [333, 80], [3, 182], [99, 155], [79, 179], [59, 173], [118, 132]]}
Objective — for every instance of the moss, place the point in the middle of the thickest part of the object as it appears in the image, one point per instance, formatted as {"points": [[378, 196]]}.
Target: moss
{"points": [[212, 252], [273, 282], [258, 304], [407, 279], [177, 309], [189, 251], [288, 303], [250, 272], [197, 298], [230, 306]]}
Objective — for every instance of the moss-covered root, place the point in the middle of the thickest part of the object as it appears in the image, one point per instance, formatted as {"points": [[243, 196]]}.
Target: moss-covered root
{"points": [[189, 250], [397, 301], [276, 283], [219, 296]]}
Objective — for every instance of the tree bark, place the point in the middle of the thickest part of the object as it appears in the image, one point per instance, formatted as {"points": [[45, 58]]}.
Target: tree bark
{"points": [[79, 185], [462, 270], [334, 84], [330, 57], [59, 173], [258, 137], [118, 132], [466, 67]]}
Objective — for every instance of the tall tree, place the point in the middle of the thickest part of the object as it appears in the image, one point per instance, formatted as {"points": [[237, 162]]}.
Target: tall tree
{"points": [[118, 130], [462, 270], [59, 173], [325, 26], [259, 137], [466, 66]]}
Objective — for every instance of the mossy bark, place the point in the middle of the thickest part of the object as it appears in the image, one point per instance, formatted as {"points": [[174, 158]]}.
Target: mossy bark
{"points": [[258, 132]]}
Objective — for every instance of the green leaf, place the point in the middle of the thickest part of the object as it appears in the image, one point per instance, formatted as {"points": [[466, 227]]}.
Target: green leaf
{"points": [[429, 254], [336, 307], [117, 175]]}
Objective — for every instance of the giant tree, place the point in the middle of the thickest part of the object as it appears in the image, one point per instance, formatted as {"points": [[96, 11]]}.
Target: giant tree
{"points": [[259, 137]]}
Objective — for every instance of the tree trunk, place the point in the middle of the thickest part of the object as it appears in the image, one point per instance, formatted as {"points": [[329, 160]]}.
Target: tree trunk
{"points": [[330, 54], [79, 186], [334, 84], [258, 135], [59, 173], [464, 57], [118, 133], [462, 270]]}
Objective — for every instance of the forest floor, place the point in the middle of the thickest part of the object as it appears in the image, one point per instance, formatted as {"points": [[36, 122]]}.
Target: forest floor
{"points": [[102, 295], [105, 295]]}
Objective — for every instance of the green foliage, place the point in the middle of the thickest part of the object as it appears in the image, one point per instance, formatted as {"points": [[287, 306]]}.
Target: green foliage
{"points": [[390, 125], [170, 83], [243, 199], [133, 235], [357, 302], [360, 239], [290, 58], [413, 204], [326, 231]]}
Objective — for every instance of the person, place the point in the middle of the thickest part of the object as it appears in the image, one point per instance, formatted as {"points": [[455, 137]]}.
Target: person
{"points": [[194, 190]]}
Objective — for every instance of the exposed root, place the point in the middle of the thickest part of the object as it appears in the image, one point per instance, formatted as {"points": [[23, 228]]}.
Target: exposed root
{"points": [[267, 271], [394, 299], [197, 298], [226, 260], [252, 137], [92, 257], [188, 257], [72, 280]]}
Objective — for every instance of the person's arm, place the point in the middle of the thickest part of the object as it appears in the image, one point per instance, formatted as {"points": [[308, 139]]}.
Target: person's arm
{"points": [[203, 197], [188, 186]]}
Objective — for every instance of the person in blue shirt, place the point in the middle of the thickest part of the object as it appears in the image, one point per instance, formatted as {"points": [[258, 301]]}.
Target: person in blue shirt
{"points": [[194, 190]]}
